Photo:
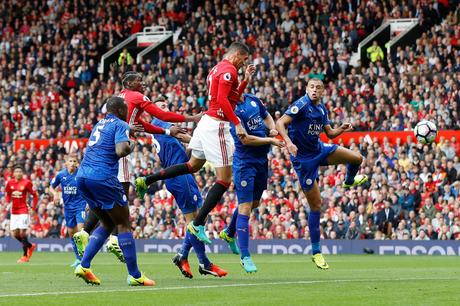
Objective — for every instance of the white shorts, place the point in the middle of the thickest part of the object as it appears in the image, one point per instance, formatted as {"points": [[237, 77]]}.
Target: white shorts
{"points": [[124, 164], [212, 141], [19, 222]]}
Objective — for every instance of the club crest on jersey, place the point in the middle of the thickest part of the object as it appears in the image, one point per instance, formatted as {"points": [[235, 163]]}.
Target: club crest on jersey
{"points": [[308, 181], [244, 183], [195, 197], [294, 110], [253, 103], [227, 76]]}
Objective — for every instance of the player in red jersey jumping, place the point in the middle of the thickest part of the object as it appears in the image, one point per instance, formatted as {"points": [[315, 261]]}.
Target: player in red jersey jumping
{"points": [[211, 139], [17, 191]]}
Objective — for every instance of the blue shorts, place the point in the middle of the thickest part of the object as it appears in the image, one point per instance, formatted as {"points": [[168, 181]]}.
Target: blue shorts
{"points": [[250, 178], [102, 194], [186, 192], [74, 217], [307, 167]]}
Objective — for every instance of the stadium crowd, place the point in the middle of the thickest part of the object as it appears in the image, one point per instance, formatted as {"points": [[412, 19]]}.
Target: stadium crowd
{"points": [[50, 89]]}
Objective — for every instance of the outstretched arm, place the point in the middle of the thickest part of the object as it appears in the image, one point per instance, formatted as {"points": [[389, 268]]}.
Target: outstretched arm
{"points": [[281, 127], [332, 133]]}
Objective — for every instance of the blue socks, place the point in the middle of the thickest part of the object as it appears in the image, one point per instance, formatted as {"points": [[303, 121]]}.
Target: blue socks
{"points": [[128, 247], [96, 240], [313, 226], [75, 249], [186, 246], [199, 248], [242, 228], [351, 173], [231, 229]]}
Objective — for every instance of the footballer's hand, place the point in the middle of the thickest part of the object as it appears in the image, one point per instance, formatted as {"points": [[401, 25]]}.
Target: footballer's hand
{"points": [[240, 131], [194, 118], [292, 148], [346, 127], [135, 128], [273, 133], [250, 70], [278, 143], [175, 131]]}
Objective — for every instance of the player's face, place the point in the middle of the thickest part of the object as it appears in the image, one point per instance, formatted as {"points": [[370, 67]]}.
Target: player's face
{"points": [[123, 112], [71, 164], [240, 59], [18, 173], [315, 89], [162, 104], [138, 84]]}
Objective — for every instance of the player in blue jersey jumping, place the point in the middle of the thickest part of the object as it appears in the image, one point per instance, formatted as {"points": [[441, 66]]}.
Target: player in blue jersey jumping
{"points": [[307, 118], [185, 190], [74, 204], [98, 183], [250, 172]]}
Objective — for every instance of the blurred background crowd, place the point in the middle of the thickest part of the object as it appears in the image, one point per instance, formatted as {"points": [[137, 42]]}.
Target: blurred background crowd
{"points": [[50, 89]]}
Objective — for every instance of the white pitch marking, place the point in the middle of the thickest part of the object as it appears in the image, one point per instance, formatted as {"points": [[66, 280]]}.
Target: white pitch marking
{"points": [[224, 285]]}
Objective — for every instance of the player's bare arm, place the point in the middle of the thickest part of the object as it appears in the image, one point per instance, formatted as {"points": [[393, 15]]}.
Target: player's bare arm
{"points": [[332, 133], [251, 140], [270, 124], [281, 126]]}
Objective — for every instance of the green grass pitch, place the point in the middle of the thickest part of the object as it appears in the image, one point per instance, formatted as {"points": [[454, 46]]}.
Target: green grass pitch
{"points": [[281, 280]]}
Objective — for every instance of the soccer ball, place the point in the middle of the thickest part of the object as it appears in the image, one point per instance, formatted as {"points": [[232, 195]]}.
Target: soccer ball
{"points": [[425, 132]]}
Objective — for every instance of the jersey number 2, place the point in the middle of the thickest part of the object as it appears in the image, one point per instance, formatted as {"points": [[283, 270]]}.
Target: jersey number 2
{"points": [[96, 135]]}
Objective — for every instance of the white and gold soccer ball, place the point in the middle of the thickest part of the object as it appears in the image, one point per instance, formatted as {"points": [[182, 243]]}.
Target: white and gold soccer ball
{"points": [[425, 131]]}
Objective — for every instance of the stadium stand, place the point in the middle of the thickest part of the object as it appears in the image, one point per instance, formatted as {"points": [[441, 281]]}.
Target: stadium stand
{"points": [[50, 89]]}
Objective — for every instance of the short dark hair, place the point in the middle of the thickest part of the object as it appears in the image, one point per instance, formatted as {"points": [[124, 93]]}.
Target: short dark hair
{"points": [[18, 166], [114, 103], [238, 47], [129, 76]]}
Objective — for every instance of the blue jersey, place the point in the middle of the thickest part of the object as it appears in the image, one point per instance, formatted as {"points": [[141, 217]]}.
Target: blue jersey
{"points": [[183, 187], [72, 199], [169, 149], [308, 121], [252, 114], [101, 161]]}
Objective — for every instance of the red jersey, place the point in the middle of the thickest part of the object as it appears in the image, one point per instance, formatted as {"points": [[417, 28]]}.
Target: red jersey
{"points": [[138, 103], [18, 192], [224, 91]]}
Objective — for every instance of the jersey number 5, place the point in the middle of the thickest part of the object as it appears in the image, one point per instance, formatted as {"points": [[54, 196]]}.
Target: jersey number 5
{"points": [[96, 135]]}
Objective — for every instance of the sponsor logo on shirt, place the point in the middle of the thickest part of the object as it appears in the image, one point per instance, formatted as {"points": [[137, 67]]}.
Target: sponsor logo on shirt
{"points": [[315, 129], [254, 123]]}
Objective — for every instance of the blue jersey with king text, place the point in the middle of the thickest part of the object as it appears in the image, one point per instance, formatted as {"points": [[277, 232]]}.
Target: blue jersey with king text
{"points": [[101, 161], [252, 114], [169, 149], [308, 121], [70, 195]]}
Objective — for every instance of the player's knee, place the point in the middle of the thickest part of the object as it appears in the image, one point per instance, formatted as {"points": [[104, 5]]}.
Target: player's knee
{"points": [[245, 209], [358, 159], [193, 166]]}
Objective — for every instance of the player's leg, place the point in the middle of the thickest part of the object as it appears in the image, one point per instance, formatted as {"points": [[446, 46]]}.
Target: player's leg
{"points": [[353, 160], [23, 226], [314, 200], [242, 229], [72, 228], [228, 233], [120, 217], [257, 181], [81, 237], [224, 177], [192, 166], [17, 234], [112, 244], [96, 241]]}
